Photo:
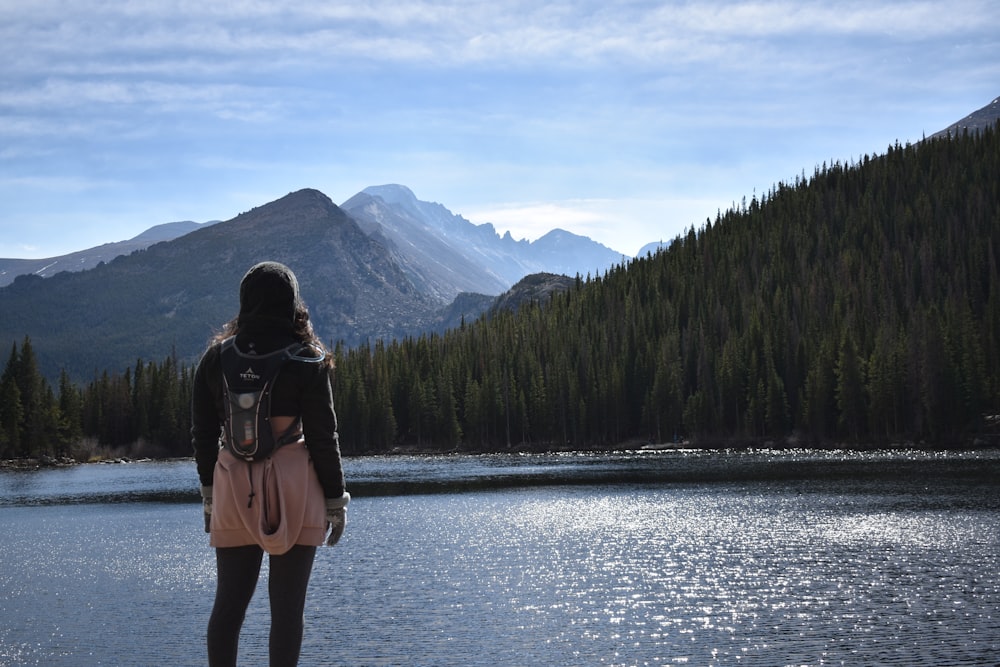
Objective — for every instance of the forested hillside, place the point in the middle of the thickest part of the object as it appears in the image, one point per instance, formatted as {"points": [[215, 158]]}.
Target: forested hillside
{"points": [[860, 305]]}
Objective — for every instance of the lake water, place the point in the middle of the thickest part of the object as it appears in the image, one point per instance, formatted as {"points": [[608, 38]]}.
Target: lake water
{"points": [[641, 558]]}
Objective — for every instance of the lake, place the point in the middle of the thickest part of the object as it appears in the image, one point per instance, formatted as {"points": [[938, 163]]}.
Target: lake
{"points": [[636, 558]]}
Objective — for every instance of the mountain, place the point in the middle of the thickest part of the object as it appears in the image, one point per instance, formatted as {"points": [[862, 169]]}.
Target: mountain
{"points": [[975, 121], [442, 253], [536, 288], [426, 240], [859, 307], [445, 254], [88, 259], [174, 294], [386, 265]]}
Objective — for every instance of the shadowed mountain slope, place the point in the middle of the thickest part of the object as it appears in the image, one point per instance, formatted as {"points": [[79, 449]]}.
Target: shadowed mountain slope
{"points": [[173, 295]]}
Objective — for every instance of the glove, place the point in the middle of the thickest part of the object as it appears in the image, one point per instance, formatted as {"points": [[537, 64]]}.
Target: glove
{"points": [[206, 504], [336, 517]]}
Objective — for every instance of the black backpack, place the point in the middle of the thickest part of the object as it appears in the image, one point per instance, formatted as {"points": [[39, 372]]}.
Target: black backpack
{"points": [[247, 381]]}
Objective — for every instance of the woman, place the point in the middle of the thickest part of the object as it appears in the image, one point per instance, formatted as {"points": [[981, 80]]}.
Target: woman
{"points": [[282, 503]]}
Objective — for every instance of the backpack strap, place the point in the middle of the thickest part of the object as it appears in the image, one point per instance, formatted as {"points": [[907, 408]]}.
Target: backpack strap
{"points": [[298, 352]]}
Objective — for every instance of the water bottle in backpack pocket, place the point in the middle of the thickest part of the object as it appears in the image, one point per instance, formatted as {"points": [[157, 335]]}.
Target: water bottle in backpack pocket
{"points": [[247, 383]]}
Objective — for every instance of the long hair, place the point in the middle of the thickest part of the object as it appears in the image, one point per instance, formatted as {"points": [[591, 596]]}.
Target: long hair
{"points": [[302, 330]]}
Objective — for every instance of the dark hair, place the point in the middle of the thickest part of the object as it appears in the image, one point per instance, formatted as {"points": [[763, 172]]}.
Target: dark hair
{"points": [[269, 297]]}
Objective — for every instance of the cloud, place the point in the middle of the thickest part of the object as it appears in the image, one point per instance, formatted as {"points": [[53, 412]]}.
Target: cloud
{"points": [[600, 115], [150, 52], [120, 107], [624, 224], [55, 184], [452, 33]]}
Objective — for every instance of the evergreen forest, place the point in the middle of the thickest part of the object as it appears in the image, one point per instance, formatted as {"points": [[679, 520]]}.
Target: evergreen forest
{"points": [[859, 306]]}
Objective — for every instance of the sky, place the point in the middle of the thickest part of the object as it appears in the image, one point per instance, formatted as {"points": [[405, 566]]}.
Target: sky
{"points": [[629, 122]]}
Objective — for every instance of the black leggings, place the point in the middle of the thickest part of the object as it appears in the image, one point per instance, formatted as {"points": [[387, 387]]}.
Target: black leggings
{"points": [[238, 570]]}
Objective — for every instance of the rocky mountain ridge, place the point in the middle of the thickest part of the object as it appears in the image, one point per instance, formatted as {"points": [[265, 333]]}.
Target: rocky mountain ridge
{"points": [[82, 260], [388, 269], [445, 254], [169, 297], [442, 252]]}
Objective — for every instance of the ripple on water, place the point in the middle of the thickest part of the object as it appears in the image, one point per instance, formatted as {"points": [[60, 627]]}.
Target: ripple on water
{"points": [[813, 572]]}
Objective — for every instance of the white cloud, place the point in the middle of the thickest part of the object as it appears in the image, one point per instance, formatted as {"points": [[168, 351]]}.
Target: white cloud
{"points": [[624, 224], [455, 32], [99, 104], [629, 116]]}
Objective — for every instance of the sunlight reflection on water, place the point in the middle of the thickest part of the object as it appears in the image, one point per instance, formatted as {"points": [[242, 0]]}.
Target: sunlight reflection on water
{"points": [[682, 576], [790, 571]]}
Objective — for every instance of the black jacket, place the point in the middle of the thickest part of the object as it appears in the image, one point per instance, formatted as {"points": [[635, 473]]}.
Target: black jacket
{"points": [[301, 389]]}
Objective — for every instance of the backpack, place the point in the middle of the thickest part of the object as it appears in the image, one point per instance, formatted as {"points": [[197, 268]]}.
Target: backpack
{"points": [[247, 381]]}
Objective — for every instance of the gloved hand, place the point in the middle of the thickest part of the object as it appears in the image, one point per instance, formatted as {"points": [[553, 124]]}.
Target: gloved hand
{"points": [[336, 517], [206, 503]]}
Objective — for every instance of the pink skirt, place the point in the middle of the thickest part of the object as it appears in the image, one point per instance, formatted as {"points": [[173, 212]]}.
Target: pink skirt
{"points": [[276, 503]]}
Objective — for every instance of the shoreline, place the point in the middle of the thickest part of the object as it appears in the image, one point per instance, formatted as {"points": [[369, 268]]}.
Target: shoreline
{"points": [[47, 462], [50, 462]]}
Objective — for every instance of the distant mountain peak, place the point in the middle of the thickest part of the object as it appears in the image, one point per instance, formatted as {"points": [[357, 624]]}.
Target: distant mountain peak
{"points": [[82, 260], [559, 235], [306, 197], [392, 193], [447, 254], [404, 200]]}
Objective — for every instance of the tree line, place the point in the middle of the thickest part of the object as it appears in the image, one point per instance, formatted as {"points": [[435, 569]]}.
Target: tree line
{"points": [[144, 411], [860, 305]]}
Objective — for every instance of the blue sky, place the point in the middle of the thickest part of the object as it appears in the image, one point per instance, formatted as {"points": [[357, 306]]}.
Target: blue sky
{"points": [[628, 122]]}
